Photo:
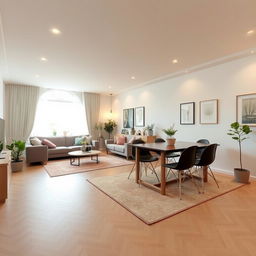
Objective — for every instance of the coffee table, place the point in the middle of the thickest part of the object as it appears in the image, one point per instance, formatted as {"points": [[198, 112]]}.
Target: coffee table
{"points": [[76, 155]]}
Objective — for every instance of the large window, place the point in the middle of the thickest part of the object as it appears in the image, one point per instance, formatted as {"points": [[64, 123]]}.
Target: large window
{"points": [[60, 113]]}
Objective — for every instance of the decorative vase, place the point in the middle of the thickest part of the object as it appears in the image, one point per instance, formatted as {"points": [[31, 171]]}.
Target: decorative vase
{"points": [[86, 148], [171, 141], [242, 175], [150, 132]]}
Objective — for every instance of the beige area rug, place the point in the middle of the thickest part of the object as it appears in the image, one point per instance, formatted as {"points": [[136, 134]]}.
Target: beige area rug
{"points": [[62, 167], [150, 206]]}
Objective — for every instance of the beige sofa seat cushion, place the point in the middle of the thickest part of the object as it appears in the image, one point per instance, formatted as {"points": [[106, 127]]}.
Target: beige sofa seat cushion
{"points": [[58, 141], [111, 146], [58, 150], [119, 148], [74, 148]]}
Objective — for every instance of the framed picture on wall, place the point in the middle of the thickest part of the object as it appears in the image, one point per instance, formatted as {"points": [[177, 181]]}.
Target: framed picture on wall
{"points": [[128, 118], [187, 113], [246, 109], [209, 111], [140, 116]]}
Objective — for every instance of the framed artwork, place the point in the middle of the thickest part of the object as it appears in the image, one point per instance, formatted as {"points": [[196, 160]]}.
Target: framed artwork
{"points": [[128, 118], [187, 113], [140, 116], [209, 112], [246, 109]]}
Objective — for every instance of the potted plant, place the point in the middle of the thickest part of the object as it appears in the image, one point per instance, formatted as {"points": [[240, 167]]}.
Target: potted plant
{"points": [[170, 132], [17, 147], [239, 133], [109, 127], [99, 128], [1, 146], [150, 129]]}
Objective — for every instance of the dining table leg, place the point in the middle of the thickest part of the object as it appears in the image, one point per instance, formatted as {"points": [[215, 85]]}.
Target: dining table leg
{"points": [[163, 176], [205, 173], [137, 161]]}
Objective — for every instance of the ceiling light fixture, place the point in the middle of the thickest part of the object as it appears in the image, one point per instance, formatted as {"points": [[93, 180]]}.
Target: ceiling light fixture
{"points": [[133, 77], [43, 59], [174, 61], [55, 31], [250, 32]]}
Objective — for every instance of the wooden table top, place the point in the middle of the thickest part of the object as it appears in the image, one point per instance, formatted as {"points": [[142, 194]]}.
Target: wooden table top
{"points": [[162, 146]]}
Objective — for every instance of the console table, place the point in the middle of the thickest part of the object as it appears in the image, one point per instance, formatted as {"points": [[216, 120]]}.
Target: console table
{"points": [[5, 175]]}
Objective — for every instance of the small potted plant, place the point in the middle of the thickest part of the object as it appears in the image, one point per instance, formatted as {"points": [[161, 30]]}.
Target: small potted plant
{"points": [[17, 147], [87, 147], [150, 129], [1, 146], [109, 127], [170, 132], [239, 133]]}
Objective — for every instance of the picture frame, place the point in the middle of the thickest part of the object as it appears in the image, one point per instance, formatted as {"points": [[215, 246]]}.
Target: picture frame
{"points": [[209, 111], [128, 118], [187, 113], [246, 109], [139, 116]]}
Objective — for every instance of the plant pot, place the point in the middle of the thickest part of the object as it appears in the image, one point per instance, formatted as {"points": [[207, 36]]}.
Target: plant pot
{"points": [[86, 148], [171, 141], [17, 166], [242, 175]]}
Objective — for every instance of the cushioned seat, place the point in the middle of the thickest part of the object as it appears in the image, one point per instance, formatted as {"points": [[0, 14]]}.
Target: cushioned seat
{"points": [[58, 150], [111, 146], [74, 148], [119, 148]]}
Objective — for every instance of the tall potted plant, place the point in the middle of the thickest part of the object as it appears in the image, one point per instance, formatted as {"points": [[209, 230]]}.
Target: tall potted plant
{"points": [[109, 127], [170, 132], [239, 133], [1, 146], [17, 147]]}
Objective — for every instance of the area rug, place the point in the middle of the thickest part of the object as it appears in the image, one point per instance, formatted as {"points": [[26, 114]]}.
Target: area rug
{"points": [[62, 167], [150, 206]]}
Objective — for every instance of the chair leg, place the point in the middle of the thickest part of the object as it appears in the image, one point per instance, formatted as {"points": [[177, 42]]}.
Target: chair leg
{"points": [[212, 175], [131, 171], [179, 175], [193, 181], [153, 170], [202, 179]]}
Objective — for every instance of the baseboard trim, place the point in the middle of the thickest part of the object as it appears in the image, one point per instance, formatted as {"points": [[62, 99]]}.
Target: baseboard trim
{"points": [[231, 173]]}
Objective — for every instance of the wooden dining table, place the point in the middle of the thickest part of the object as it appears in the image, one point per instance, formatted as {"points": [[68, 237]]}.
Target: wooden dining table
{"points": [[162, 148]]}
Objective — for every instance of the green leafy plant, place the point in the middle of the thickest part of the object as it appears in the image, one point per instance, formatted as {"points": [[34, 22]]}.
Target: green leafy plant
{"points": [[239, 133], [1, 146], [17, 147], [109, 126], [170, 131]]}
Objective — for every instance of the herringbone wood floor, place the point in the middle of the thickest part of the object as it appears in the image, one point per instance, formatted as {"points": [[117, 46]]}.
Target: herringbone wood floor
{"points": [[68, 216]]}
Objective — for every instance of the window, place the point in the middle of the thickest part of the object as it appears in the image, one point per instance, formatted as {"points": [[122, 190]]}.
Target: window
{"points": [[60, 113]]}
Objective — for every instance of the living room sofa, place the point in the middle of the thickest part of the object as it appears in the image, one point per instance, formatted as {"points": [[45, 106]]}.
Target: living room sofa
{"points": [[64, 144]]}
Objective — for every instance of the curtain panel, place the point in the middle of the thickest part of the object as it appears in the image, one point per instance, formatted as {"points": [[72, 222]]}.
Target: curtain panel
{"points": [[92, 110], [20, 108]]}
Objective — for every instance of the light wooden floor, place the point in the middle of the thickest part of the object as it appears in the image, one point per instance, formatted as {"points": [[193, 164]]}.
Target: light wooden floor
{"points": [[68, 216]]}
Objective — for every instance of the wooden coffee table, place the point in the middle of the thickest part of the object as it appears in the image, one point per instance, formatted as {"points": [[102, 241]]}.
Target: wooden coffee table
{"points": [[76, 155]]}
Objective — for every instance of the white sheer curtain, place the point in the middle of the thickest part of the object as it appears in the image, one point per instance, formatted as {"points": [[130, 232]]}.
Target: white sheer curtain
{"points": [[92, 109], [20, 108]]}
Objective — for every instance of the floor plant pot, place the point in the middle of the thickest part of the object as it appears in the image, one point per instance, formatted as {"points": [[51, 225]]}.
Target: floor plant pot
{"points": [[17, 166], [171, 141], [242, 175]]}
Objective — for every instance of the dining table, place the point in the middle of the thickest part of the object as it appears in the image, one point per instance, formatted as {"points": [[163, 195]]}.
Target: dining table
{"points": [[162, 149]]}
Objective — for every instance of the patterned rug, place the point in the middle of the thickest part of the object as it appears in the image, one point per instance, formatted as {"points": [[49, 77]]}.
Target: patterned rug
{"points": [[62, 167], [150, 206]]}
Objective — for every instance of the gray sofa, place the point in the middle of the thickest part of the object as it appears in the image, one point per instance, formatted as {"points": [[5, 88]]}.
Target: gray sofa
{"points": [[42, 153], [123, 150]]}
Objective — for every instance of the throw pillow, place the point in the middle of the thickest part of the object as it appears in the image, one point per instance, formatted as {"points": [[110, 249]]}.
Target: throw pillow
{"points": [[48, 143], [79, 141], [120, 140], [35, 141]]}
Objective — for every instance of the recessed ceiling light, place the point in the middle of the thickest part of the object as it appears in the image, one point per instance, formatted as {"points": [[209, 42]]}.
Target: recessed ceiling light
{"points": [[174, 61], [55, 31], [43, 59], [250, 32], [133, 77]]}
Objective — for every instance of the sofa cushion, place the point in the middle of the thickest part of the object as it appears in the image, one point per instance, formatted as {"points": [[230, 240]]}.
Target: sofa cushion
{"points": [[120, 140], [58, 150], [110, 146], [79, 141], [119, 148], [35, 141], [48, 143], [74, 148], [58, 141]]}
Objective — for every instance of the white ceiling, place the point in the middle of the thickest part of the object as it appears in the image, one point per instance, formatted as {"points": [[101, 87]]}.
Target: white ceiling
{"points": [[105, 42]]}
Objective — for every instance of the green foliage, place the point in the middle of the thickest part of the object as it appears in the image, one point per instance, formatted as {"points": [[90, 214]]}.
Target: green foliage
{"points": [[99, 126], [170, 131], [109, 126], [1, 146], [239, 133], [17, 147]]}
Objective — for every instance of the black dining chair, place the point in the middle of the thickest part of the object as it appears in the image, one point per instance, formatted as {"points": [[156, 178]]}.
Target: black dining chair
{"points": [[206, 159], [187, 160], [146, 158], [200, 150]]}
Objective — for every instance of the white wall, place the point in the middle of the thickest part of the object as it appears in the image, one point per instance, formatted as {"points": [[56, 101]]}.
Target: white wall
{"points": [[162, 102]]}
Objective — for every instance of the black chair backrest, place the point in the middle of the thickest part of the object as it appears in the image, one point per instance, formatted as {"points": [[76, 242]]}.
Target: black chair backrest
{"points": [[204, 141], [208, 155], [159, 140], [143, 152], [187, 158]]}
